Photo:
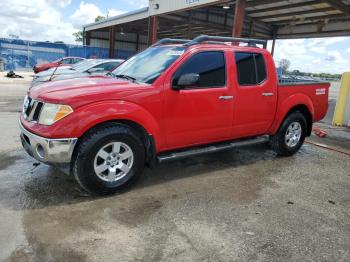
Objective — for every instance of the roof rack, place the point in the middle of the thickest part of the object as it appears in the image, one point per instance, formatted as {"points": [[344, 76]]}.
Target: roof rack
{"points": [[168, 41], [222, 40]]}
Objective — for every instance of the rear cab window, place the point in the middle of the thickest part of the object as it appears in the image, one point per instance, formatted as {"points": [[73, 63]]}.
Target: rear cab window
{"points": [[251, 68]]}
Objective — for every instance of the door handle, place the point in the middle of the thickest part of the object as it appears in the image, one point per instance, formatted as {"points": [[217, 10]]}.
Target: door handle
{"points": [[267, 94], [225, 97]]}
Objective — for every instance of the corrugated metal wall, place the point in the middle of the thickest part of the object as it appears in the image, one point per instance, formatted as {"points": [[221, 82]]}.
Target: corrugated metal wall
{"points": [[123, 41], [99, 43]]}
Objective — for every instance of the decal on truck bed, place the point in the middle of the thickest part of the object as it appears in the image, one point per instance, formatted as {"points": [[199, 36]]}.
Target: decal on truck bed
{"points": [[320, 91]]}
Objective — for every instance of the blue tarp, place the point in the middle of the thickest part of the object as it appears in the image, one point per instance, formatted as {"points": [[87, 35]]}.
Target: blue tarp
{"points": [[21, 54]]}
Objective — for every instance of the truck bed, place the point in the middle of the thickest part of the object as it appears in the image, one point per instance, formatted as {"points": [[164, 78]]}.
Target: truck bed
{"points": [[316, 91]]}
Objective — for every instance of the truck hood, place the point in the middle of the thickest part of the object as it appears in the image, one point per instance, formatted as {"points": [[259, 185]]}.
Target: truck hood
{"points": [[62, 76], [79, 91]]}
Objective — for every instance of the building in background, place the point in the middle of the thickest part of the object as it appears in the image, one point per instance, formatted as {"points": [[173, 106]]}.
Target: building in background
{"points": [[271, 20]]}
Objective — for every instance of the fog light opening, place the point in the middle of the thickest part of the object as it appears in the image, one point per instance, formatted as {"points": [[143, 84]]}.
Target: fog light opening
{"points": [[40, 151], [26, 138]]}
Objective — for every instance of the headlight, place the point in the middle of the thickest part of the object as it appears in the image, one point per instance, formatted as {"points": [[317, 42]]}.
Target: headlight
{"points": [[25, 104], [52, 113]]}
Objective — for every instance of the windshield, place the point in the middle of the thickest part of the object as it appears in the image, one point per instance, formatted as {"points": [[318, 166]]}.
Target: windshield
{"points": [[148, 65], [86, 66], [79, 64]]}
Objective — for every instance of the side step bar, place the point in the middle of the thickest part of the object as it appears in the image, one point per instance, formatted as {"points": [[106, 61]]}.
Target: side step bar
{"points": [[211, 148]]}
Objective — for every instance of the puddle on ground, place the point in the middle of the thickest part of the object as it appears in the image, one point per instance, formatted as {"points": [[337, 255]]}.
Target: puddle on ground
{"points": [[6, 160], [54, 208]]}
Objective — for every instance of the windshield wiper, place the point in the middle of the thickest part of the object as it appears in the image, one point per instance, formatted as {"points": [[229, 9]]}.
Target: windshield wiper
{"points": [[133, 79]]}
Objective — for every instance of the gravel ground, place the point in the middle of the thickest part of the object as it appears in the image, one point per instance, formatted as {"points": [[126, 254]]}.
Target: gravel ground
{"points": [[239, 205]]}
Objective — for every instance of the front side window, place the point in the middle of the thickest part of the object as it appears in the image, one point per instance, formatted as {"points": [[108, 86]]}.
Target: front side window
{"points": [[148, 65], [77, 60], [251, 68], [210, 66]]}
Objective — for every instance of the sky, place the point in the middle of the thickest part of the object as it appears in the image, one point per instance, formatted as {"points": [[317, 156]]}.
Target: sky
{"points": [[57, 20]]}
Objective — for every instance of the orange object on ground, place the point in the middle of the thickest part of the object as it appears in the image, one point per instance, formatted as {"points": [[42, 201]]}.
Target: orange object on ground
{"points": [[319, 132]]}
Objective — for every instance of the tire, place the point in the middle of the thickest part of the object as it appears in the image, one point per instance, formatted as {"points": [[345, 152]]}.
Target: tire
{"points": [[99, 149], [290, 128]]}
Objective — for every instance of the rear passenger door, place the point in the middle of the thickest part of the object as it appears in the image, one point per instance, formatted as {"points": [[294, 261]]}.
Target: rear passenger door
{"points": [[256, 97], [201, 113]]}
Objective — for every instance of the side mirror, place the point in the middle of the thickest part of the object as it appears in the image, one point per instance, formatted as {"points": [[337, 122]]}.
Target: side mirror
{"points": [[186, 80]]}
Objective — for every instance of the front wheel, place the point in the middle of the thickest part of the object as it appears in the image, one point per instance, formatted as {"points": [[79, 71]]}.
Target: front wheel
{"points": [[108, 159], [291, 135]]}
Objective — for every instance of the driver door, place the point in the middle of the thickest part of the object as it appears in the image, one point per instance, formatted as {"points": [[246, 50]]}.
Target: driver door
{"points": [[203, 112]]}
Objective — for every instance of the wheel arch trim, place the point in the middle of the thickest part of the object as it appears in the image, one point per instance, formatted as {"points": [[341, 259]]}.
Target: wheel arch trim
{"points": [[297, 102]]}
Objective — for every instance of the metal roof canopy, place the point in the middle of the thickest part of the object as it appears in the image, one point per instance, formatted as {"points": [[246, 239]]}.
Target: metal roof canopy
{"points": [[263, 19], [271, 19]]}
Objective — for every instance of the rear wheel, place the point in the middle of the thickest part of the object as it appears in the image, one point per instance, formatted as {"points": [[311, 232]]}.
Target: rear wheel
{"points": [[109, 159], [291, 135]]}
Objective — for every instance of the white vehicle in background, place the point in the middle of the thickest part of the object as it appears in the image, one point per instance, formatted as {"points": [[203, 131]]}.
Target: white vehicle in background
{"points": [[89, 67], [65, 67]]}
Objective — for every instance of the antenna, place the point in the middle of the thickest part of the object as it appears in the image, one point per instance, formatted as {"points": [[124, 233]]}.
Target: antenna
{"points": [[54, 71]]}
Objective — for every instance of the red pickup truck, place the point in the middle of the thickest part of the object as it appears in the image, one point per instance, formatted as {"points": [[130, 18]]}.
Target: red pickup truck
{"points": [[176, 99]]}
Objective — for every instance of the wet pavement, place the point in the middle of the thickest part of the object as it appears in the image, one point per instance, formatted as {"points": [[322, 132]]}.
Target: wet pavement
{"points": [[239, 205]]}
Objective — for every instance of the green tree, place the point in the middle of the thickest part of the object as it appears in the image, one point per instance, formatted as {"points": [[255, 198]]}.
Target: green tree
{"points": [[99, 18], [78, 36], [284, 64]]}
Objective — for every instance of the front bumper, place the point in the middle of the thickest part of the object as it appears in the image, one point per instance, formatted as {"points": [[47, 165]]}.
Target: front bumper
{"points": [[50, 151]]}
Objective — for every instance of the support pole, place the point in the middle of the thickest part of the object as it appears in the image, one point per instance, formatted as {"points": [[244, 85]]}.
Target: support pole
{"points": [[152, 30], [342, 110], [87, 38], [273, 46], [274, 34], [111, 41], [189, 28], [251, 28], [238, 21], [137, 42]]}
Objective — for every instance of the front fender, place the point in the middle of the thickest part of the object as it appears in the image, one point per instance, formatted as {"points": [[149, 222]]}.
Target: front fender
{"points": [[284, 108], [94, 114], [88, 116]]}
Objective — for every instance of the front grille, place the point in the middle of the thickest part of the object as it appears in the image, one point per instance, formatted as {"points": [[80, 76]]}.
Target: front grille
{"points": [[33, 110]]}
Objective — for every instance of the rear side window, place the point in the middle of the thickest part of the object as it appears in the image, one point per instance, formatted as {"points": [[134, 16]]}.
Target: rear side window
{"points": [[210, 66], [251, 68]]}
